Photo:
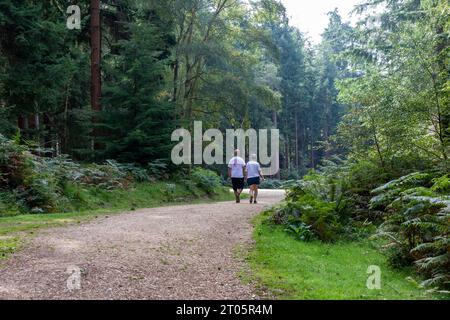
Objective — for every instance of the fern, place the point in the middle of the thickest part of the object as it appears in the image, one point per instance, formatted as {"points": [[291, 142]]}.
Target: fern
{"points": [[417, 225]]}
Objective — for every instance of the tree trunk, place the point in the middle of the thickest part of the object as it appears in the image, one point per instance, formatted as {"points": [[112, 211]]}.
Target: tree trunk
{"points": [[96, 90], [95, 55]]}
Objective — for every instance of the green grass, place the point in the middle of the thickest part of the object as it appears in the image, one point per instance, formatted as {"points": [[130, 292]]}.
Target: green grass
{"points": [[291, 269], [8, 244], [89, 203]]}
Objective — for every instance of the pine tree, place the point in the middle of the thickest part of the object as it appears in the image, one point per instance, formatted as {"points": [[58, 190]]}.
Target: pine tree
{"points": [[137, 117]]}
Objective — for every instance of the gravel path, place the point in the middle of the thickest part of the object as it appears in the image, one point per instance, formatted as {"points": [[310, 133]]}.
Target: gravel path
{"points": [[177, 252]]}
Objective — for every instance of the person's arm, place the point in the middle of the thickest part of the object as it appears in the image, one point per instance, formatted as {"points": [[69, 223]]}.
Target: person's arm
{"points": [[260, 173], [229, 172]]}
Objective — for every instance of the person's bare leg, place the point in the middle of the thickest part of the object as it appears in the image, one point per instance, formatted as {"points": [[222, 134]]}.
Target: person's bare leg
{"points": [[255, 193], [239, 195], [251, 193]]}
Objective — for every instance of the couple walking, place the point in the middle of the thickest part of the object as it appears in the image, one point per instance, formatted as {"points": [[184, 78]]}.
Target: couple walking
{"points": [[239, 172]]}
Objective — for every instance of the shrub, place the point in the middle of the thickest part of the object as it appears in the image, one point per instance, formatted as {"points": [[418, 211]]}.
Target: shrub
{"points": [[409, 181], [169, 192], [417, 223], [271, 184], [40, 184], [441, 184], [157, 168], [134, 172], [322, 202], [15, 164], [206, 180], [190, 186], [301, 231], [343, 199], [303, 208], [33, 185], [8, 205]]}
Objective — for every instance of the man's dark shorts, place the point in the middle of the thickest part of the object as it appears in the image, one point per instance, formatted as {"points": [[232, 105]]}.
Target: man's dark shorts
{"points": [[238, 183]]}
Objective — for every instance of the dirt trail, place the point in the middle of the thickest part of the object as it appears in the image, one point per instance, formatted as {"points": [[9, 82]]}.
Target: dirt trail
{"points": [[177, 252]]}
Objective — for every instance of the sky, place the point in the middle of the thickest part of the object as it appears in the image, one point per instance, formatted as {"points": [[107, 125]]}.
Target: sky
{"points": [[310, 16]]}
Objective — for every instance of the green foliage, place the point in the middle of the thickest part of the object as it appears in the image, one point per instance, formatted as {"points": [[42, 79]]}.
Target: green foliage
{"points": [[344, 199], [406, 185], [312, 203], [291, 269], [7, 246], [405, 182], [412, 213], [45, 74], [33, 186], [207, 180], [441, 185], [417, 225], [169, 192], [271, 184], [399, 91], [15, 163], [376, 93], [8, 205], [136, 114], [157, 168], [30, 183], [137, 173], [301, 231]]}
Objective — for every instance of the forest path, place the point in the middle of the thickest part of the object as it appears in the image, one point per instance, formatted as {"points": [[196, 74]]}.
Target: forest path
{"points": [[176, 252]]}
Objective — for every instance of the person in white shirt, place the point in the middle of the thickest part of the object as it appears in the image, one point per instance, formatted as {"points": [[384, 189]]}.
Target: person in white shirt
{"points": [[253, 176], [236, 171]]}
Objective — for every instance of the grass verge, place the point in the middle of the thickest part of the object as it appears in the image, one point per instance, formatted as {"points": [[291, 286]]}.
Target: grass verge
{"points": [[89, 203], [286, 268]]}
